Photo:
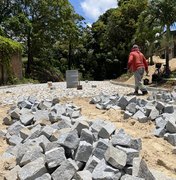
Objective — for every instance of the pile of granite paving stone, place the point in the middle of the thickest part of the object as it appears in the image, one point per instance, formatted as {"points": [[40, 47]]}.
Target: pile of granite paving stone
{"points": [[51, 140], [160, 108]]}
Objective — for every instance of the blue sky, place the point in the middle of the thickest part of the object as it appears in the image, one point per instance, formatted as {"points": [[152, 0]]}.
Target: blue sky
{"points": [[92, 9]]}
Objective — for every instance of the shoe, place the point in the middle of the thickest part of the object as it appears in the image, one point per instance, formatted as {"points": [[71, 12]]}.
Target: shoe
{"points": [[144, 92], [135, 93]]}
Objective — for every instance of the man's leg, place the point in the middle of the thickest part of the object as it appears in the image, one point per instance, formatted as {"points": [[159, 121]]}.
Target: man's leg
{"points": [[138, 80]]}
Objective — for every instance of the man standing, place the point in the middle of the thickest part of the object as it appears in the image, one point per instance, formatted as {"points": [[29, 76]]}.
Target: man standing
{"points": [[137, 63]]}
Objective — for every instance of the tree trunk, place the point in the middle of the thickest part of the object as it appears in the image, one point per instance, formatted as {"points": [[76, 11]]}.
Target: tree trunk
{"points": [[167, 72], [69, 56], [151, 60], [30, 56], [2, 71]]}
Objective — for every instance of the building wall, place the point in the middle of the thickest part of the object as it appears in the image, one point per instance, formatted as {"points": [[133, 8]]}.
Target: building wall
{"points": [[16, 64]]}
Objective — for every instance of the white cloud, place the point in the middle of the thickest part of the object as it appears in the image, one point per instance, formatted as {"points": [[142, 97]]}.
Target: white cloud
{"points": [[89, 24], [94, 8]]}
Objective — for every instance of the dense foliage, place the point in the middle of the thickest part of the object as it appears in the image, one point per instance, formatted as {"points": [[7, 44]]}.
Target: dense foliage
{"points": [[56, 38], [7, 49]]}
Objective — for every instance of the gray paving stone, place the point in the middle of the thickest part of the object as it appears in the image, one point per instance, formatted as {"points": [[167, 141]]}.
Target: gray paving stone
{"points": [[174, 150], [65, 171], [159, 132], [104, 171], [159, 96], [171, 138], [32, 99], [91, 163], [107, 130], [31, 154], [127, 115], [27, 119], [140, 116], [171, 125], [123, 102], [33, 135], [21, 149], [80, 165], [15, 114], [33, 170], [131, 99], [79, 125], [14, 140], [100, 148], [76, 114], [25, 104], [45, 176], [107, 104], [47, 131], [64, 123], [51, 145], [83, 175], [97, 125], [8, 120], [142, 102], [43, 105], [3, 133], [168, 109], [60, 109], [154, 114], [56, 134], [131, 107], [121, 139], [128, 170], [86, 135], [42, 141], [24, 133], [149, 106], [43, 122], [131, 154], [160, 106], [129, 177], [160, 122], [84, 151], [99, 106], [55, 157], [141, 170], [41, 115], [116, 157], [15, 128], [95, 100], [136, 144], [69, 110], [53, 117], [69, 139]]}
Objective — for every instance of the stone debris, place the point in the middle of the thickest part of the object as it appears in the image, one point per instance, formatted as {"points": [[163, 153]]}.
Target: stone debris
{"points": [[70, 147], [160, 108]]}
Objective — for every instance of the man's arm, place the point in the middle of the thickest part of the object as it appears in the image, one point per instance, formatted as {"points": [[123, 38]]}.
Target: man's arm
{"points": [[130, 60]]}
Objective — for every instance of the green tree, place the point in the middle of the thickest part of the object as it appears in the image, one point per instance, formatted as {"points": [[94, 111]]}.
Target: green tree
{"points": [[122, 26], [147, 34], [39, 24], [164, 11]]}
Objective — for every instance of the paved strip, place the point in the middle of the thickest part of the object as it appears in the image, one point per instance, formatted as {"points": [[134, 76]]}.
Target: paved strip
{"points": [[132, 86]]}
